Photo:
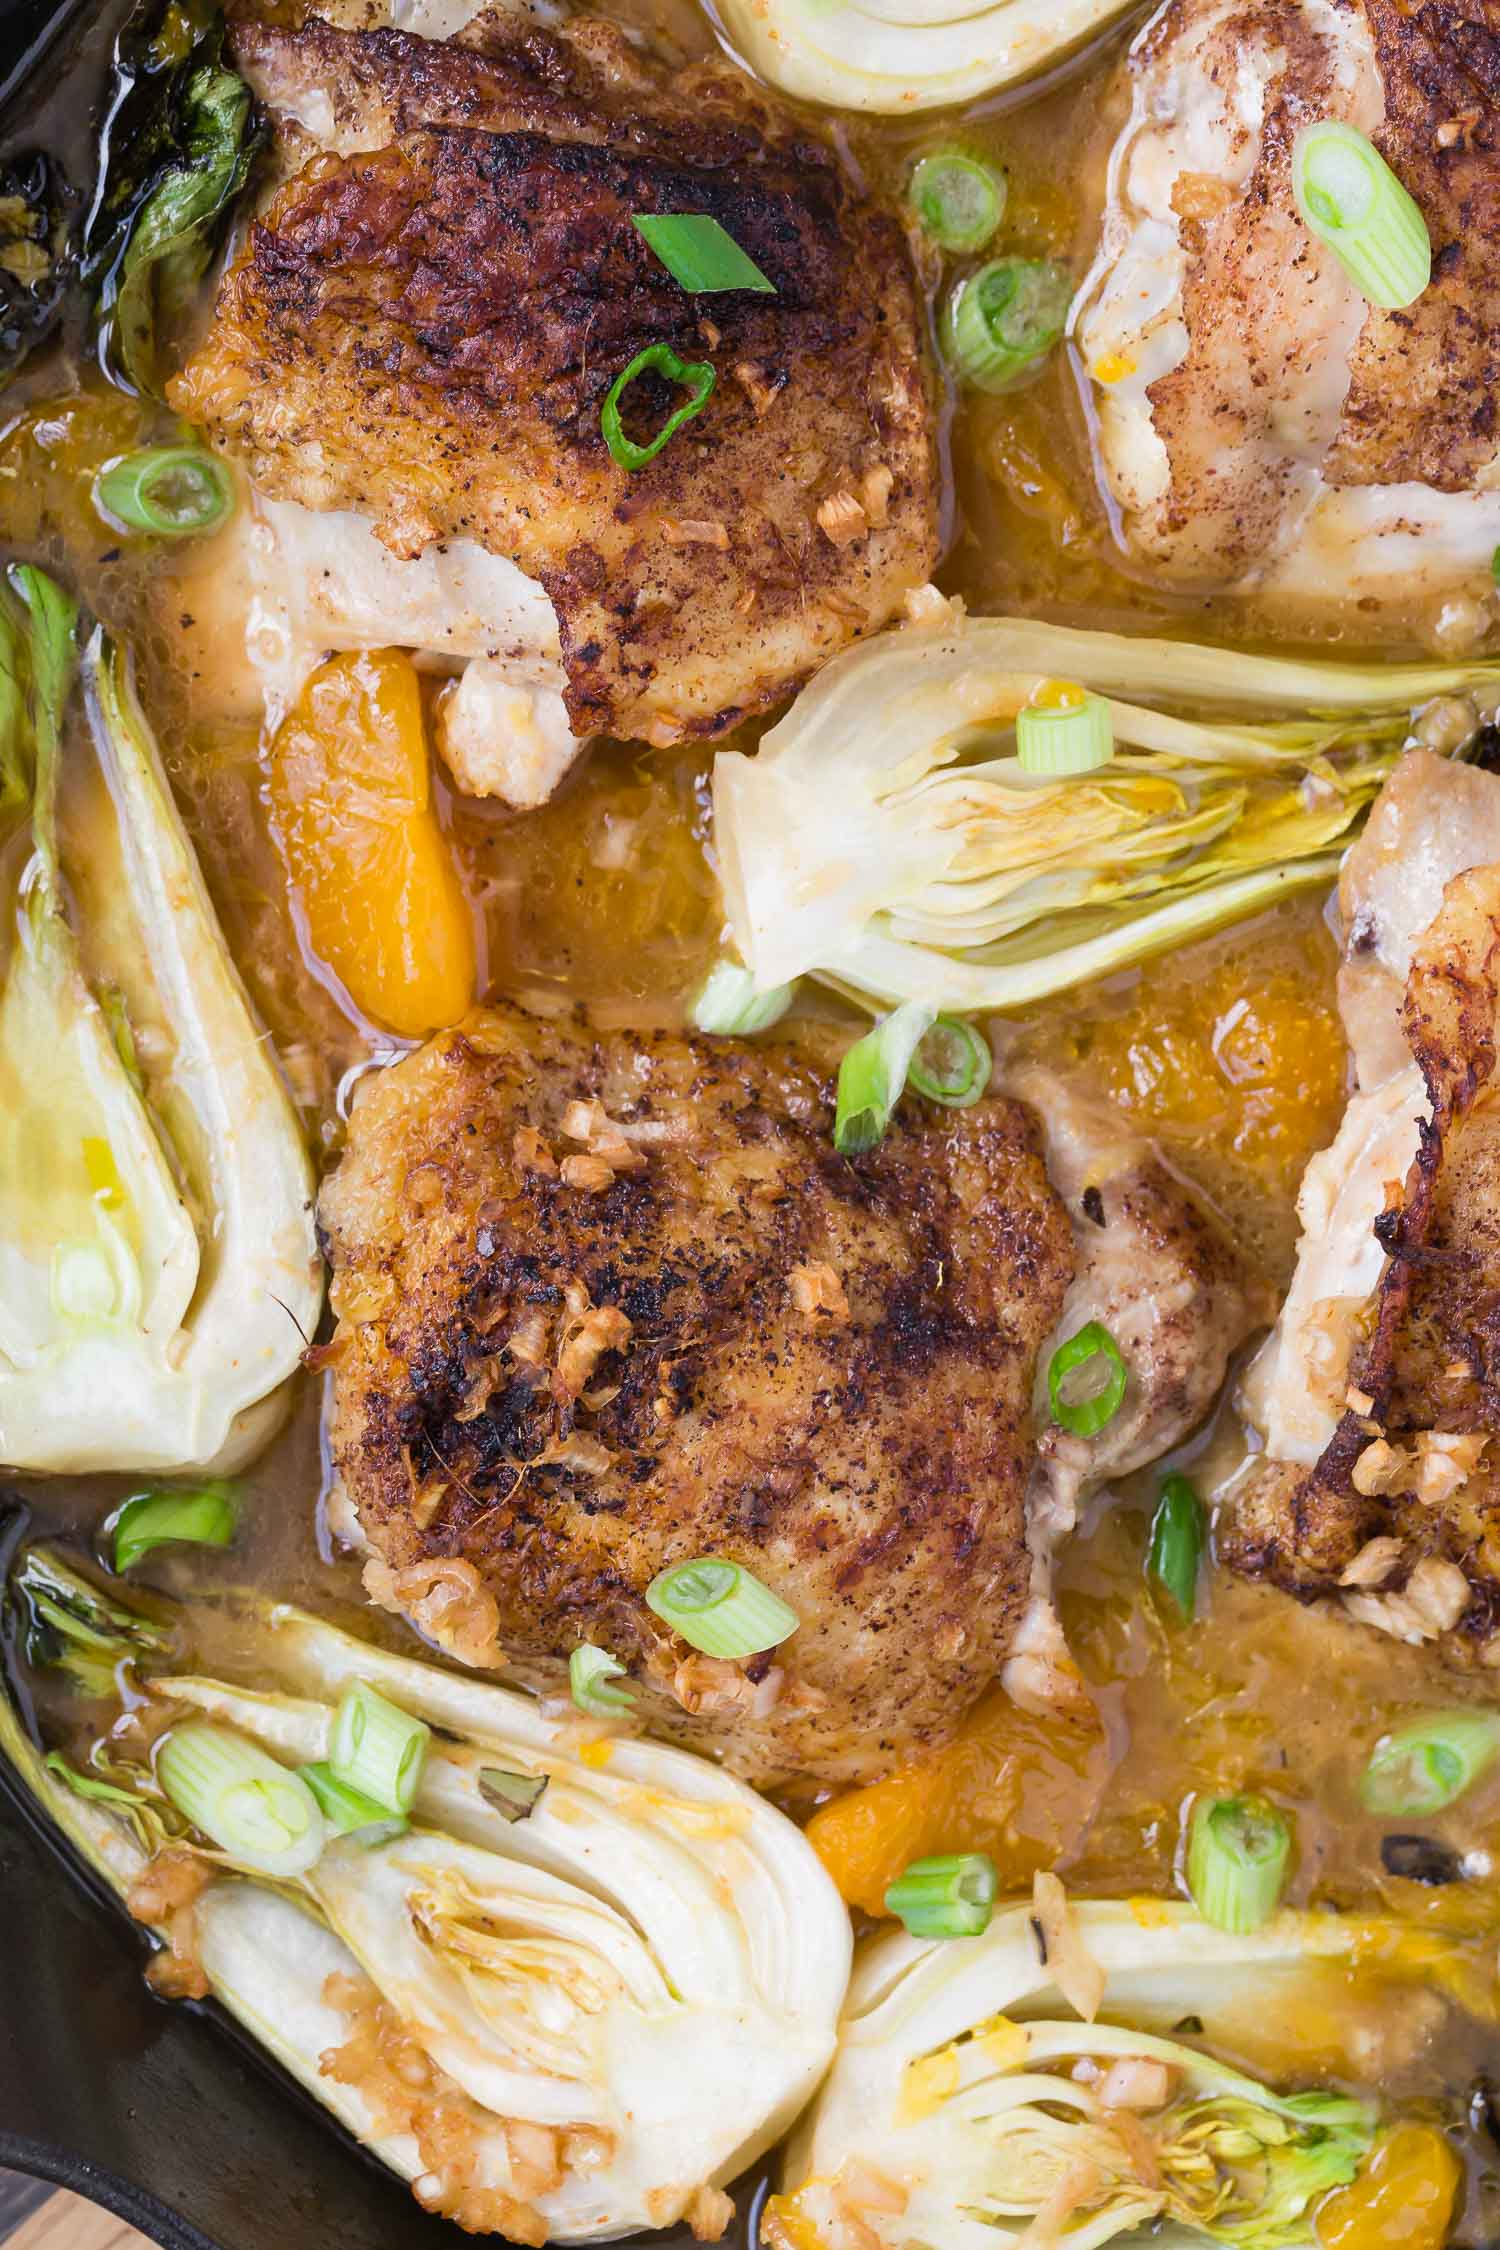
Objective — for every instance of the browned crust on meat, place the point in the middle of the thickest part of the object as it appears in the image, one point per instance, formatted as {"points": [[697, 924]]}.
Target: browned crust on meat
{"points": [[1424, 397], [866, 1457], [427, 330], [1432, 1358]]}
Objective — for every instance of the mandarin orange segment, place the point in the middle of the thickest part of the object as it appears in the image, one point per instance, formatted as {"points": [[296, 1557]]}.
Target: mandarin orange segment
{"points": [[1008, 1784], [373, 876], [1402, 2199]]}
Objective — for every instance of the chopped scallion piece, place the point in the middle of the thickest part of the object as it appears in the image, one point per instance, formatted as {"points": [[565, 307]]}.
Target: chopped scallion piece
{"points": [[172, 491], [1238, 1849], [720, 1608], [1353, 201], [998, 325], [873, 1074], [950, 1896], [1495, 566], [1176, 1549], [348, 1811], [515, 1796], [1064, 729], [591, 1672], [205, 1516], [699, 254], [697, 377], [1087, 1416], [1429, 1763], [952, 1064], [959, 200], [727, 1003], [256, 1811], [377, 1749]]}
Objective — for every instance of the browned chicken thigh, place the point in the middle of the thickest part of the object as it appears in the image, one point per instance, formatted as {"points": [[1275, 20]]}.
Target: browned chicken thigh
{"points": [[612, 1301], [426, 322]]}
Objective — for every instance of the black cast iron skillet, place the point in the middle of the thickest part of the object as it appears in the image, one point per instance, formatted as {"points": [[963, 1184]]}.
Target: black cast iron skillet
{"points": [[161, 2111]]}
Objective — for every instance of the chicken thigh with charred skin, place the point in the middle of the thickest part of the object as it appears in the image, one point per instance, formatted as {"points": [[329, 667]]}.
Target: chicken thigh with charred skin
{"points": [[427, 321], [609, 1302]]}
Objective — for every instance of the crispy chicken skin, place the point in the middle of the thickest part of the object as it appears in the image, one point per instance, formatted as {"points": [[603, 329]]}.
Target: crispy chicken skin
{"points": [[611, 1301], [425, 321], [1398, 1515], [1259, 421]]}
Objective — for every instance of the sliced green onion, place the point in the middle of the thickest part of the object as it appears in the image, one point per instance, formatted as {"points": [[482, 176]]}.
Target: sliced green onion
{"points": [[590, 1672], [515, 1796], [205, 1516], [1177, 1532], [952, 1896], [699, 254], [697, 377], [999, 324], [1238, 1849], [952, 1064], [378, 1749], [1087, 1416], [173, 491], [959, 199], [720, 1608], [258, 1813], [728, 1004], [872, 1076], [1495, 566], [1429, 1763], [349, 1812], [1353, 201], [1064, 730]]}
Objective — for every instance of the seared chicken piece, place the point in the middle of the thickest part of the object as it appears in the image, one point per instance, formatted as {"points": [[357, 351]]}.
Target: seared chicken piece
{"points": [[1157, 1268], [1379, 1395], [1261, 424], [611, 1302], [427, 319]]}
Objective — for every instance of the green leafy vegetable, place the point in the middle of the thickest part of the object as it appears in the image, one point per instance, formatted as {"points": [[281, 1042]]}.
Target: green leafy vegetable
{"points": [[965, 2074], [872, 1078], [885, 837], [35, 255], [1177, 1536], [180, 138], [69, 1626], [158, 1271]]}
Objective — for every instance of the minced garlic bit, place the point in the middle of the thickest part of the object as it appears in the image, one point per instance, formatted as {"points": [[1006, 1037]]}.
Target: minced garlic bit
{"points": [[710, 2214], [816, 1288], [1445, 1462], [842, 519], [1380, 1468], [1431, 1602], [532, 1153], [1374, 1563], [590, 1173], [592, 1331], [875, 494]]}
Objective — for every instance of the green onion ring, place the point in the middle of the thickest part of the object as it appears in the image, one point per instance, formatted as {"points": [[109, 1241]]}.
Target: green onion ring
{"points": [[1086, 1417], [697, 376]]}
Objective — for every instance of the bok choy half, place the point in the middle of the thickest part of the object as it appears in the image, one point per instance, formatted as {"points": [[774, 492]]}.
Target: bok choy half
{"points": [[905, 55], [886, 838], [158, 1269], [590, 1982], [970, 2104]]}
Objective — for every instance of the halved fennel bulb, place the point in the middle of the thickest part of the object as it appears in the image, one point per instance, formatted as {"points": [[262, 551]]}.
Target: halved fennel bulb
{"points": [[158, 1268], [886, 838], [620, 1997], [968, 2099], [904, 55]]}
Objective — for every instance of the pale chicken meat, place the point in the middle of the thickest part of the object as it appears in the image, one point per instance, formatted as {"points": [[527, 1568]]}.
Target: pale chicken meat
{"points": [[425, 322], [1378, 1395], [1260, 425], [608, 1302]]}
